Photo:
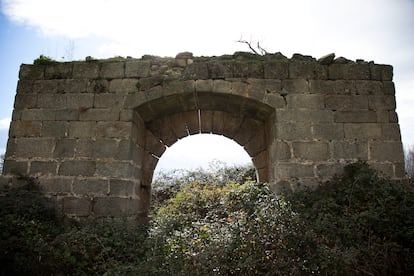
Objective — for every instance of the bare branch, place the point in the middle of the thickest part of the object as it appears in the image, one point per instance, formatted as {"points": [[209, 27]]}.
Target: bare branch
{"points": [[262, 50], [259, 50]]}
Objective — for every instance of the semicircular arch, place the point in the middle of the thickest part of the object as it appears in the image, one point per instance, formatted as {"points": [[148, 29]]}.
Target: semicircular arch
{"points": [[163, 121]]}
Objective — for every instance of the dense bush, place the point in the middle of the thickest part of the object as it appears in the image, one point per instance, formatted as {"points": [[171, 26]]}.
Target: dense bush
{"points": [[355, 224], [28, 225], [167, 183]]}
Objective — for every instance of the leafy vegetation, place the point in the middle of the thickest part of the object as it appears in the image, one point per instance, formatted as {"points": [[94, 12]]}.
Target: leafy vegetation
{"points": [[358, 223], [44, 60]]}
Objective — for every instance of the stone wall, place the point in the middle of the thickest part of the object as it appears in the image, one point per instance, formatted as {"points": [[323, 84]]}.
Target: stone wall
{"points": [[91, 133]]}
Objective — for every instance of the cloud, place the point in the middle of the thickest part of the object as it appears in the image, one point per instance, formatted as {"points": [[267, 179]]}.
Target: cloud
{"points": [[211, 27], [4, 123]]}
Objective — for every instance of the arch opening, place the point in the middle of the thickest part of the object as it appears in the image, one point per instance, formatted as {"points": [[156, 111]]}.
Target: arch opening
{"points": [[160, 123]]}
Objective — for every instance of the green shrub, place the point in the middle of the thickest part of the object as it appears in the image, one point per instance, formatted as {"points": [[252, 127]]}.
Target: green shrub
{"points": [[368, 220], [44, 60], [27, 226], [358, 223]]}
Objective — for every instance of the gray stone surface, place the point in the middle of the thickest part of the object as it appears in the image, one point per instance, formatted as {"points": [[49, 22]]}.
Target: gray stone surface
{"points": [[93, 132]]}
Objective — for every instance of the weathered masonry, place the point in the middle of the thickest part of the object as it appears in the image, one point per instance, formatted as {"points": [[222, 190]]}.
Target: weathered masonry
{"points": [[91, 133]]}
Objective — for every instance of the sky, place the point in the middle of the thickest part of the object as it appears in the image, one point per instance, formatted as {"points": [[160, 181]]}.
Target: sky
{"points": [[65, 30]]}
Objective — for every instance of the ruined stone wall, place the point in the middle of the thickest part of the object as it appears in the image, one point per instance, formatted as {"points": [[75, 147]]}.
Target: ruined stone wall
{"points": [[92, 132]]}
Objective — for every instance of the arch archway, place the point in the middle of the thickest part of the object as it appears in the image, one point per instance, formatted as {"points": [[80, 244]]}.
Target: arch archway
{"points": [[159, 123], [201, 152]]}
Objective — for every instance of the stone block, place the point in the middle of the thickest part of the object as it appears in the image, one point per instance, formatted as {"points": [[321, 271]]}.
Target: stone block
{"points": [[340, 87], [220, 70], [243, 69], [46, 86], [65, 148], [67, 114], [259, 87], [114, 129], [54, 129], [221, 86], [312, 151], [388, 88], [82, 129], [311, 101], [135, 100], [327, 131], [55, 185], [256, 142], [15, 167], [362, 131], [281, 151], [97, 86], [25, 129], [25, 101], [31, 72], [355, 71], [174, 87], [59, 71], [386, 72], [328, 170], [43, 168], [25, 87], [51, 101], [122, 188], [99, 114], [355, 116], [124, 150], [301, 69], [86, 70], [206, 121], [137, 69], [84, 148], [34, 147], [114, 169], [291, 170], [262, 175], [346, 102], [261, 159], [114, 206], [112, 70], [386, 102], [295, 86], [90, 187], [126, 115], [77, 168], [276, 70], [127, 86], [72, 86], [350, 150], [108, 101], [365, 87], [196, 71], [204, 85], [80, 101], [293, 131], [304, 115], [386, 151], [393, 116], [274, 100], [105, 148], [391, 132], [383, 116], [77, 206]]}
